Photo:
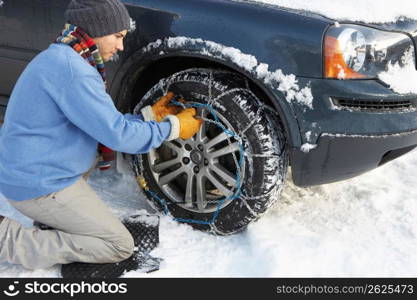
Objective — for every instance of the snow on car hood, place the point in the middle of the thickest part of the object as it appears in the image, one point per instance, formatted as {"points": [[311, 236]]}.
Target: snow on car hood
{"points": [[370, 11], [383, 14], [401, 79]]}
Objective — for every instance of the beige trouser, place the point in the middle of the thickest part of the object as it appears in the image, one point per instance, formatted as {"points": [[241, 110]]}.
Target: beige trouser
{"points": [[86, 231]]}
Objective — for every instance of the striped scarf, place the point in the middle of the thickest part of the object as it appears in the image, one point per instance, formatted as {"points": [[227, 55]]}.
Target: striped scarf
{"points": [[84, 45]]}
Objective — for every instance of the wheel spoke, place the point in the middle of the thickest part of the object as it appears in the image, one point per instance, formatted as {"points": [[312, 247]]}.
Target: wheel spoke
{"points": [[189, 190], [180, 141], [219, 138], [201, 191], [201, 134], [222, 189], [225, 150], [225, 174], [166, 164], [171, 176], [173, 147]]}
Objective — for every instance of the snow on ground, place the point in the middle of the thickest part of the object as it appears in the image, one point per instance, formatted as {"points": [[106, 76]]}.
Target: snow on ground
{"points": [[353, 10], [366, 226]]}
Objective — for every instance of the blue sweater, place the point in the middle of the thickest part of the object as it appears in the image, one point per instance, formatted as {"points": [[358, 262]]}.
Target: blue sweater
{"points": [[58, 112]]}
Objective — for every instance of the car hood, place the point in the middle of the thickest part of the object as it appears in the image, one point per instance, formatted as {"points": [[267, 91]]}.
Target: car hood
{"points": [[404, 25]]}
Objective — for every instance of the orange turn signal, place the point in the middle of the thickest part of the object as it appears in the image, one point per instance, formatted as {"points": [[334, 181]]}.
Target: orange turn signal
{"points": [[334, 64]]}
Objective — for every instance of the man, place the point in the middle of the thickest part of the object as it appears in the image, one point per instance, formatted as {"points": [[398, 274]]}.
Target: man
{"points": [[57, 114]]}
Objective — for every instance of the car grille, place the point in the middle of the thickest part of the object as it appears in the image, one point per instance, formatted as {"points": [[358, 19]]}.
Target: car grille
{"points": [[376, 106]]}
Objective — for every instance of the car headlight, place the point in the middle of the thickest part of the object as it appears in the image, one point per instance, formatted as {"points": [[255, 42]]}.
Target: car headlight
{"points": [[354, 51]]}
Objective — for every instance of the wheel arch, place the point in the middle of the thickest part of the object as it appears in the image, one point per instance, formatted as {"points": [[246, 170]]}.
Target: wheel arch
{"points": [[140, 72]]}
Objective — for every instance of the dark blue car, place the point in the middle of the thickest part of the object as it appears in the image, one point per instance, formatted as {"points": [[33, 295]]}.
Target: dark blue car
{"points": [[276, 88]]}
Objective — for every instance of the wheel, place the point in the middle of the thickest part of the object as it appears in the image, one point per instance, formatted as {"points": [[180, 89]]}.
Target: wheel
{"points": [[232, 170]]}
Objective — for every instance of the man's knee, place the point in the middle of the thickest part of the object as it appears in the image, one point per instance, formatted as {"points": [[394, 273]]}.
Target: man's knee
{"points": [[124, 246]]}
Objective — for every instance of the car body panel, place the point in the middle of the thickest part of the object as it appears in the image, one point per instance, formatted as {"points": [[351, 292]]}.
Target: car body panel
{"points": [[339, 156], [275, 37], [283, 39]]}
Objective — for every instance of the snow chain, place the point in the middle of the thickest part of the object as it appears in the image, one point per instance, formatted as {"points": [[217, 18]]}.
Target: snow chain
{"points": [[137, 161]]}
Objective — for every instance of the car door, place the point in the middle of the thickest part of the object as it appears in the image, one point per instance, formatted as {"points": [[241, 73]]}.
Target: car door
{"points": [[26, 28]]}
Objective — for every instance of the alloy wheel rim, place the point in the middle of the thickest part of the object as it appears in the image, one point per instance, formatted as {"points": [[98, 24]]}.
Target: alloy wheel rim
{"points": [[198, 174]]}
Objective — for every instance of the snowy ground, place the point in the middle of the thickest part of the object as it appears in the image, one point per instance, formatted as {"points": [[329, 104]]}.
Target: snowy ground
{"points": [[366, 226]]}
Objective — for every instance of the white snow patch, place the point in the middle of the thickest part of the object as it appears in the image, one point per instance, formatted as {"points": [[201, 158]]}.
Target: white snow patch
{"points": [[305, 97], [1, 3], [152, 45], [401, 79], [287, 84], [145, 218], [352, 10], [369, 136], [132, 25], [180, 41], [362, 227], [307, 147], [341, 74]]}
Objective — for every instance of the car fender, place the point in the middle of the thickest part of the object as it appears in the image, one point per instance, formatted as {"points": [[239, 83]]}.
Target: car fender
{"points": [[282, 90]]}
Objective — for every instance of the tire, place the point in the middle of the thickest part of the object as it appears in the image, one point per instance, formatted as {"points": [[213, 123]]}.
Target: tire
{"points": [[262, 165]]}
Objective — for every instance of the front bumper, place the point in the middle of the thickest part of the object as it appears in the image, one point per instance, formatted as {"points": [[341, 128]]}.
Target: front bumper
{"points": [[350, 142], [339, 157]]}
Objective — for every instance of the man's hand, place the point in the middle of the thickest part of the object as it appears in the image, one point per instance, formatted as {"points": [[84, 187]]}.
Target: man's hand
{"points": [[161, 109], [189, 125], [183, 123]]}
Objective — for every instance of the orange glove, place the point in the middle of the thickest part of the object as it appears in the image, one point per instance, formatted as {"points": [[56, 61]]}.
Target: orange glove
{"points": [[189, 125], [161, 109]]}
